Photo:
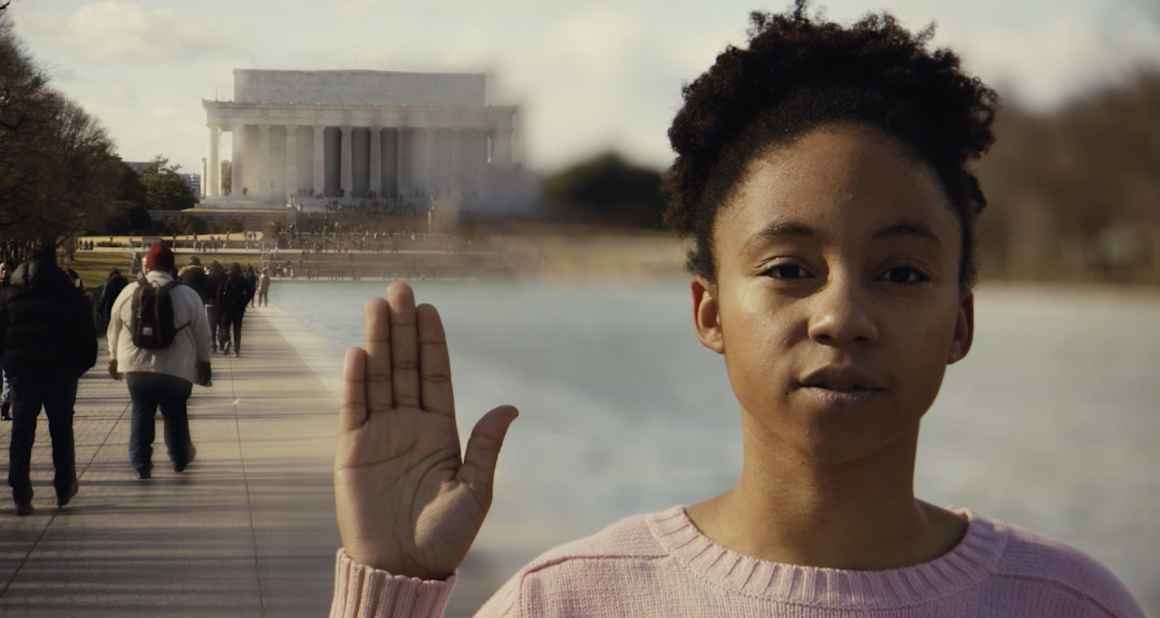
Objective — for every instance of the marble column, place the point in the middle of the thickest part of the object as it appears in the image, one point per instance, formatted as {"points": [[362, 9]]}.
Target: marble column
{"points": [[502, 148], [319, 160], [238, 130], [347, 150], [390, 150], [265, 179], [212, 184], [458, 169], [403, 181], [291, 183], [377, 161], [477, 159], [421, 152]]}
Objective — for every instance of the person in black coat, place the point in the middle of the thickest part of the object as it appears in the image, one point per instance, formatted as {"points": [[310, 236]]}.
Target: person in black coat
{"points": [[214, 281], [114, 283], [193, 275], [5, 392], [233, 296], [252, 283], [47, 341]]}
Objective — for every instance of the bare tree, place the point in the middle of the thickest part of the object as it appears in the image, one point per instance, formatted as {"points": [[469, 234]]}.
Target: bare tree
{"points": [[57, 166]]}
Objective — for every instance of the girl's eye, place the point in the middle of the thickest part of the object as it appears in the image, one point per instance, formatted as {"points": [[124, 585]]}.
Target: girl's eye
{"points": [[905, 275], [787, 271]]}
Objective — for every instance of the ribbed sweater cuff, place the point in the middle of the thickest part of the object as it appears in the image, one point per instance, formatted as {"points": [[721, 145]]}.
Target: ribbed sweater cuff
{"points": [[364, 592]]}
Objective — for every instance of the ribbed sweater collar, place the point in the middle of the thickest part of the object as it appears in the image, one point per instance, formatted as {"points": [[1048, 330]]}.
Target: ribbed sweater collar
{"points": [[967, 564]]}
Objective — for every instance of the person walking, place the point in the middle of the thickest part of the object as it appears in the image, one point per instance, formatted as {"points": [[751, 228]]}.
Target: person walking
{"points": [[214, 281], [252, 283], [48, 341], [264, 288], [159, 341], [194, 275], [233, 297], [114, 283], [5, 391]]}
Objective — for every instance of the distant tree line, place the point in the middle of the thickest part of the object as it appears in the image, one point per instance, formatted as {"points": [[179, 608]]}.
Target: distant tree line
{"points": [[57, 165], [1074, 193], [605, 190], [157, 186], [59, 173]]}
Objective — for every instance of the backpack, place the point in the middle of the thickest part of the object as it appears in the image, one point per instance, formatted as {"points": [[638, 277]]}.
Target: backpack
{"points": [[152, 324]]}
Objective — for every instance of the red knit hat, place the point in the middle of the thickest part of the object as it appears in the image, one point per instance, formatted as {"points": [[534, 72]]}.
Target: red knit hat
{"points": [[159, 257]]}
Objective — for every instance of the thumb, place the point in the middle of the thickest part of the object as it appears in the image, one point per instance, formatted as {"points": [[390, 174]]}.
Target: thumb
{"points": [[478, 469]]}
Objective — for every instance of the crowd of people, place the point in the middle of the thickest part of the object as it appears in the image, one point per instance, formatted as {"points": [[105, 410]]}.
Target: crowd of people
{"points": [[161, 330], [332, 239]]}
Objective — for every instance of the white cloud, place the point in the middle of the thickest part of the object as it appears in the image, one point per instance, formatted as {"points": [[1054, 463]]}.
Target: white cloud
{"points": [[131, 33], [1058, 58]]}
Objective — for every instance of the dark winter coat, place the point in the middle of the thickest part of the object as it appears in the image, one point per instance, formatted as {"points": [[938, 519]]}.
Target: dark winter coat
{"points": [[194, 276], [213, 286], [45, 323], [233, 296], [113, 287]]}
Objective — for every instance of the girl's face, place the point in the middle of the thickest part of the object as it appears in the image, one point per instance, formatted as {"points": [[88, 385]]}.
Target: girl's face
{"points": [[837, 303]]}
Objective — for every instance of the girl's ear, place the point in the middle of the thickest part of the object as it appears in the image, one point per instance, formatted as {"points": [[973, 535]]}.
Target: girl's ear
{"points": [[707, 314], [964, 329]]}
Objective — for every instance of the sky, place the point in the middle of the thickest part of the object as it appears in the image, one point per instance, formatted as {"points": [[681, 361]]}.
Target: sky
{"points": [[587, 76]]}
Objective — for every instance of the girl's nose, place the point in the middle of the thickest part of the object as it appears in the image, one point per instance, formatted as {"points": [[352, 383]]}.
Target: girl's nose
{"points": [[841, 316]]}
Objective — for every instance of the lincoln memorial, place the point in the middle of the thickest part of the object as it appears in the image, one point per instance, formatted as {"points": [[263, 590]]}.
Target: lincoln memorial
{"points": [[310, 138]]}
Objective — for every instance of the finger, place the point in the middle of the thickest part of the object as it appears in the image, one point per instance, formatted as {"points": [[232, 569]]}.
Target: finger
{"points": [[404, 345], [352, 409], [377, 335], [434, 363], [478, 469]]}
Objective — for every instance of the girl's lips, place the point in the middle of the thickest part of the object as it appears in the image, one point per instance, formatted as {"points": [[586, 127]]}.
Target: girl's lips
{"points": [[831, 397]]}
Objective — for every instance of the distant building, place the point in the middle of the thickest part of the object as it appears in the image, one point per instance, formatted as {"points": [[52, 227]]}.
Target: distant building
{"points": [[193, 181], [313, 138]]}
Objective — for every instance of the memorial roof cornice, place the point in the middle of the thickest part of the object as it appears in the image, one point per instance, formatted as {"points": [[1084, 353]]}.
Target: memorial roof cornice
{"points": [[365, 72], [359, 106]]}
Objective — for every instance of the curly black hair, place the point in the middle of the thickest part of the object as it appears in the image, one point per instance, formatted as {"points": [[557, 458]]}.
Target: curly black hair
{"points": [[799, 73]]}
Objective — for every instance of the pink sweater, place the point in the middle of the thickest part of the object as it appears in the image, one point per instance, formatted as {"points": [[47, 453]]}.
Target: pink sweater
{"points": [[659, 564]]}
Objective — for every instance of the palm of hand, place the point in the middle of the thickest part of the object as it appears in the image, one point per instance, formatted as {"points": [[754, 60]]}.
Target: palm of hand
{"points": [[406, 502]]}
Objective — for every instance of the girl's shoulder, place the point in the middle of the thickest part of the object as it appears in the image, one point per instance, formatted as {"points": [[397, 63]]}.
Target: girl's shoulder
{"points": [[1037, 560]]}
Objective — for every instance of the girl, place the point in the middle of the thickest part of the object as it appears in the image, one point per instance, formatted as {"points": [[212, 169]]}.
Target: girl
{"points": [[823, 173]]}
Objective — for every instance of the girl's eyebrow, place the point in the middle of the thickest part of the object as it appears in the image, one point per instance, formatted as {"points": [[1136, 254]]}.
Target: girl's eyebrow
{"points": [[914, 229], [789, 228], [778, 229]]}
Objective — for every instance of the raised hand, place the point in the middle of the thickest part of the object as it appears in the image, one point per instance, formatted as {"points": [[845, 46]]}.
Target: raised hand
{"points": [[406, 502]]}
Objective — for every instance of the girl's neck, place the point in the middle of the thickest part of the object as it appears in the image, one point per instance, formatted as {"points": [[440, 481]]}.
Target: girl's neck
{"points": [[859, 515]]}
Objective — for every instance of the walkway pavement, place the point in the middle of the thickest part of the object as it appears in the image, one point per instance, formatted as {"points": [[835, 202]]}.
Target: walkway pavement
{"points": [[247, 530]]}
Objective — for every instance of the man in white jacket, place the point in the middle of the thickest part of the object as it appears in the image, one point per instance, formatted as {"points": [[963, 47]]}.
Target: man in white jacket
{"points": [[160, 377]]}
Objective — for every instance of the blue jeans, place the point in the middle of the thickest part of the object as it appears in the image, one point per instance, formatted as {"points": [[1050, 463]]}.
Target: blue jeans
{"points": [[57, 392], [148, 392]]}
